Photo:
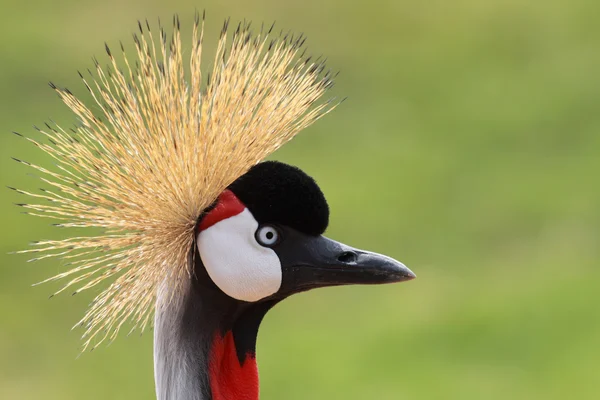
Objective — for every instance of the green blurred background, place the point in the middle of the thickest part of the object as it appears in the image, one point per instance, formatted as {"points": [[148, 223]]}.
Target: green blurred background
{"points": [[468, 149]]}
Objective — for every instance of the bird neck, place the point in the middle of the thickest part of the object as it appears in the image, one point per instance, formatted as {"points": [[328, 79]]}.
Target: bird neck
{"points": [[205, 344]]}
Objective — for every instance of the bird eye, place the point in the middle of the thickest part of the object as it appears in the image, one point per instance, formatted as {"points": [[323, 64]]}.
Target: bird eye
{"points": [[267, 235]]}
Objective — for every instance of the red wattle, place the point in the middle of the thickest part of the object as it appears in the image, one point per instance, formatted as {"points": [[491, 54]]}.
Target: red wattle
{"points": [[230, 380], [227, 206]]}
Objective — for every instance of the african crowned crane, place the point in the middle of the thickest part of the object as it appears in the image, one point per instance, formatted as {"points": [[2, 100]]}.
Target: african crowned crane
{"points": [[195, 226]]}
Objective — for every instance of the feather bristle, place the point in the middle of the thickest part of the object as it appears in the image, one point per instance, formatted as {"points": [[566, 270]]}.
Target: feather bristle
{"points": [[160, 150]]}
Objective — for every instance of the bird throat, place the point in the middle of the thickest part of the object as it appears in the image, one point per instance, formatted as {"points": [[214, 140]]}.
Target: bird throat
{"points": [[205, 344]]}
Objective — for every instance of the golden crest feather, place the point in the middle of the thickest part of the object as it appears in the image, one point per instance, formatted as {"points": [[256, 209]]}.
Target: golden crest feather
{"points": [[157, 149]]}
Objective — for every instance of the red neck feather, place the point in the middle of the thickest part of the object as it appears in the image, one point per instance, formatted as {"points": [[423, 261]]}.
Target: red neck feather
{"points": [[230, 380]]}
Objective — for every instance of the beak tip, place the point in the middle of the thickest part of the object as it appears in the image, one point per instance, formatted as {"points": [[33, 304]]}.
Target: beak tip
{"points": [[406, 274]]}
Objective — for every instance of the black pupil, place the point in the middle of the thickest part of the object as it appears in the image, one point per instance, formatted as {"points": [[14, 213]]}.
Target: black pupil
{"points": [[269, 235]]}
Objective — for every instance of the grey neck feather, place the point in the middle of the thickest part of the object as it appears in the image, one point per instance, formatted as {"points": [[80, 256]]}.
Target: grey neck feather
{"points": [[184, 329], [180, 349]]}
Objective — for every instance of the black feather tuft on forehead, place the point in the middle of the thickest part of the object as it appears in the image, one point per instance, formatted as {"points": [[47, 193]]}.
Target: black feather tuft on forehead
{"points": [[279, 193]]}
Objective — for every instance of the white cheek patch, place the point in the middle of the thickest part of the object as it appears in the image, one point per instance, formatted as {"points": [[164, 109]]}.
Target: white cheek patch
{"points": [[237, 264]]}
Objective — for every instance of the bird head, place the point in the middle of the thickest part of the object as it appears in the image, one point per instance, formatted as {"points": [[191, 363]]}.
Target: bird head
{"points": [[263, 239], [168, 158]]}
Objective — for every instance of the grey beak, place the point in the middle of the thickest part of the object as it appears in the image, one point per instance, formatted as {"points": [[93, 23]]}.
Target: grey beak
{"points": [[310, 262]]}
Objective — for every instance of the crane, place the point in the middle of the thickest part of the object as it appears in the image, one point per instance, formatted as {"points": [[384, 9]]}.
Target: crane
{"points": [[196, 233]]}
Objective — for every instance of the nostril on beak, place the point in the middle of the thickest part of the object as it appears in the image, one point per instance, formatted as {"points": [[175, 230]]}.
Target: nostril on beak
{"points": [[347, 257]]}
